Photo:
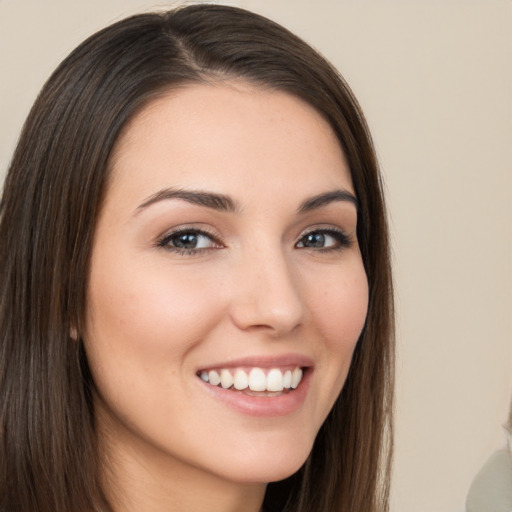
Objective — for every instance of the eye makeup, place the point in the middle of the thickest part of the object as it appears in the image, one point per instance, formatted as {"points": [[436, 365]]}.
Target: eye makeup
{"points": [[189, 241]]}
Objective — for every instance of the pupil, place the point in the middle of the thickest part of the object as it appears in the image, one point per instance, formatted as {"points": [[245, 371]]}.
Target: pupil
{"points": [[186, 241], [316, 240]]}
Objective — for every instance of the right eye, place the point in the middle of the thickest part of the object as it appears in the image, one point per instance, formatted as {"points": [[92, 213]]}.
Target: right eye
{"points": [[188, 241]]}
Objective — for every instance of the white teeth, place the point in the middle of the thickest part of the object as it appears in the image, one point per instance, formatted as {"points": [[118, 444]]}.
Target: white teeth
{"points": [[241, 381], [287, 379], [226, 379], [213, 378], [296, 377], [257, 380], [274, 381]]}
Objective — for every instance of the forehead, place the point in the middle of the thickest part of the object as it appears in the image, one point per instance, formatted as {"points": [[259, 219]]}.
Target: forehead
{"points": [[229, 136]]}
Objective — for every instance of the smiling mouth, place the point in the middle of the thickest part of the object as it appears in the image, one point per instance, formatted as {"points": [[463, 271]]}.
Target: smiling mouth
{"points": [[257, 381]]}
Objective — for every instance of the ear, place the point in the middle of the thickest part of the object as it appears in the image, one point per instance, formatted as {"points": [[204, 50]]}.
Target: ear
{"points": [[73, 333]]}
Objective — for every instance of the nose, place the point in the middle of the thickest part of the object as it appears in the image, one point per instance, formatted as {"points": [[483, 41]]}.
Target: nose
{"points": [[267, 294]]}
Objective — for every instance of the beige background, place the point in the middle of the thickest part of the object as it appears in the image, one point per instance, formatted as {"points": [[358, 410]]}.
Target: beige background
{"points": [[435, 80]]}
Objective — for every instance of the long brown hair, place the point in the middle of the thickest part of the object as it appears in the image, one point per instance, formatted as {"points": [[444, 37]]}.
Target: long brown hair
{"points": [[53, 191]]}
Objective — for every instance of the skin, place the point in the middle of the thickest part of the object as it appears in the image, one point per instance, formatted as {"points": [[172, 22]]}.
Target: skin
{"points": [[256, 288]]}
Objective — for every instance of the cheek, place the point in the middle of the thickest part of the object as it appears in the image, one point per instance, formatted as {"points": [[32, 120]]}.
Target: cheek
{"points": [[142, 323], [341, 310], [151, 301], [140, 316]]}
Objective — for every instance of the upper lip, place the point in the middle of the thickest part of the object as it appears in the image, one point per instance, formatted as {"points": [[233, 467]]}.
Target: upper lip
{"points": [[263, 361]]}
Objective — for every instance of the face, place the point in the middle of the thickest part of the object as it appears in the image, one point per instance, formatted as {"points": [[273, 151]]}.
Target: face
{"points": [[227, 290]]}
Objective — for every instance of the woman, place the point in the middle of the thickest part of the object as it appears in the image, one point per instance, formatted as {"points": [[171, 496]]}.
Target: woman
{"points": [[196, 291]]}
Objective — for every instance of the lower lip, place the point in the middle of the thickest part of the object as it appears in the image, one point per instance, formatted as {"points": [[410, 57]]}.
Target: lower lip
{"points": [[263, 406]]}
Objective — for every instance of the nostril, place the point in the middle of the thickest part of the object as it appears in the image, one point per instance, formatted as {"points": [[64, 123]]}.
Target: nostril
{"points": [[268, 312]]}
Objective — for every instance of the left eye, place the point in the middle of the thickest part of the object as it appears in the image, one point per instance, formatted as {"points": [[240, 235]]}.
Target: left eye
{"points": [[324, 239], [188, 241]]}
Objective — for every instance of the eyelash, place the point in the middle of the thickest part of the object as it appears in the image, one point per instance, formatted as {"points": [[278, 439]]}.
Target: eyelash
{"points": [[342, 240], [165, 241]]}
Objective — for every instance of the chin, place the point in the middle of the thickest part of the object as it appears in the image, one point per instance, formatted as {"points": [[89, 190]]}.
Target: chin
{"points": [[269, 464]]}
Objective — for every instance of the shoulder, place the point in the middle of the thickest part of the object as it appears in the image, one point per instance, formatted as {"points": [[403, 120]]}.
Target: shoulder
{"points": [[491, 489]]}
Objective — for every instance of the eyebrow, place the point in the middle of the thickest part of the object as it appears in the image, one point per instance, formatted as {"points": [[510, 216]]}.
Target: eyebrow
{"points": [[328, 197], [225, 203], [219, 202]]}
